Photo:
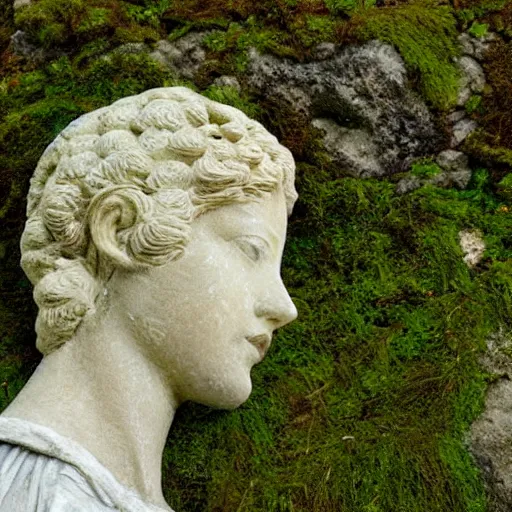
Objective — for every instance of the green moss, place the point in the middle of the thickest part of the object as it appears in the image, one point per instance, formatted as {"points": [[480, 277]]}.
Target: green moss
{"points": [[136, 35], [501, 21], [91, 50], [149, 12], [453, 452], [51, 20], [478, 29], [18, 356], [63, 23], [505, 187], [217, 41], [316, 29], [6, 23], [485, 147], [240, 37], [474, 104], [97, 18], [469, 10], [426, 37], [231, 96], [341, 6], [425, 169]]}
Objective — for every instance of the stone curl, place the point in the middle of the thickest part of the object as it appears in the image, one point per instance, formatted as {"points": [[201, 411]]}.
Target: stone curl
{"points": [[146, 166]]}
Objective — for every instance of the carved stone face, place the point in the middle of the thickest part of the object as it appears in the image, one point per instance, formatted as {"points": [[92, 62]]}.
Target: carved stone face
{"points": [[206, 319]]}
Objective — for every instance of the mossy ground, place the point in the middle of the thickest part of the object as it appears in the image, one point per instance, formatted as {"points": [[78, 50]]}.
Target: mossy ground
{"points": [[363, 403]]}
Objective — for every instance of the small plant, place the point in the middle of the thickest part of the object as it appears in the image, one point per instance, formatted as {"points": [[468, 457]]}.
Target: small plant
{"points": [[478, 29], [341, 6], [216, 41], [505, 187], [479, 8], [473, 104]]}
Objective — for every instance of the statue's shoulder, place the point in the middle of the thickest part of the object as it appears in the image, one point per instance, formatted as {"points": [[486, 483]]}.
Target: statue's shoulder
{"points": [[34, 482], [41, 471]]}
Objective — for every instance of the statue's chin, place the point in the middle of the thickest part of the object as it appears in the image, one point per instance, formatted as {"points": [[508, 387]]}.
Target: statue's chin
{"points": [[223, 397]]}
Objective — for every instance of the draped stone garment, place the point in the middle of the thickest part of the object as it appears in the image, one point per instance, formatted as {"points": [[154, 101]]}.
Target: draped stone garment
{"points": [[41, 471]]}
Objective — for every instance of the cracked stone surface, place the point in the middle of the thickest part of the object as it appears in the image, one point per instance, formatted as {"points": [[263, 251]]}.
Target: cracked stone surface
{"points": [[490, 438], [373, 123], [227, 81], [184, 56], [472, 79], [461, 130], [476, 46]]}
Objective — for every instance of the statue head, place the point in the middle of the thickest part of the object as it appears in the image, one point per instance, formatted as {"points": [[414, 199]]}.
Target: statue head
{"points": [[121, 188]]}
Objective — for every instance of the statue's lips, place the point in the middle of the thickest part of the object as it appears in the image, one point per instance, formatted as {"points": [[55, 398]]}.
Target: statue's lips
{"points": [[261, 342]]}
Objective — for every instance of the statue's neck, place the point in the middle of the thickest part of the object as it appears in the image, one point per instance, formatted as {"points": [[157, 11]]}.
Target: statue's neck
{"points": [[100, 391]]}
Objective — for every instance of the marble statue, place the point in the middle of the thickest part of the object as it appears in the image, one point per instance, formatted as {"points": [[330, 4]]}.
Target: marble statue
{"points": [[154, 238]]}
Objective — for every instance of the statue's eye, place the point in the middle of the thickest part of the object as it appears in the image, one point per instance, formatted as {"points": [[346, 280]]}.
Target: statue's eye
{"points": [[253, 247]]}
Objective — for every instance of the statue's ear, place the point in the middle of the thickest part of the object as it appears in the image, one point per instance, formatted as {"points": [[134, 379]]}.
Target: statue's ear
{"points": [[110, 212]]}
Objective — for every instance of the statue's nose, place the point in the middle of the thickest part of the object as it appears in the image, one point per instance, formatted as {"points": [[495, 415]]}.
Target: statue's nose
{"points": [[276, 305]]}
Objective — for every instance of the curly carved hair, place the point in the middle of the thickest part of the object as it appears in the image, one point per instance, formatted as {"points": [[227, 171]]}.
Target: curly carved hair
{"points": [[171, 155]]}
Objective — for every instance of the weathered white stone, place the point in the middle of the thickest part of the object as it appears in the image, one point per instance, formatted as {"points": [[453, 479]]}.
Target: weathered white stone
{"points": [[461, 130], [452, 161], [473, 246], [154, 237], [407, 184], [21, 3], [466, 42], [61, 474], [476, 47], [482, 45], [353, 149], [472, 79], [227, 81], [456, 116]]}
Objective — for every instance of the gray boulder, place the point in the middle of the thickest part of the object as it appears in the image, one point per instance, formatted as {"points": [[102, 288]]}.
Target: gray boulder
{"points": [[408, 184], [372, 121], [461, 130], [472, 79], [456, 116], [476, 47], [228, 81], [22, 46], [184, 56], [457, 172], [355, 148], [452, 161], [490, 438]]}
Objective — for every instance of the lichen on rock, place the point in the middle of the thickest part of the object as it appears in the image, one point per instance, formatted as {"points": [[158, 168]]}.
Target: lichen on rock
{"points": [[360, 99]]}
